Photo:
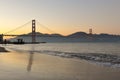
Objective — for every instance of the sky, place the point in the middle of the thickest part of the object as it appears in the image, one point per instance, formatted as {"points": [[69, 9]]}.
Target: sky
{"points": [[62, 16]]}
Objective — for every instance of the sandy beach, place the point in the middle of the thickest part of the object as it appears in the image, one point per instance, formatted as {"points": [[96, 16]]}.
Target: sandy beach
{"points": [[47, 67]]}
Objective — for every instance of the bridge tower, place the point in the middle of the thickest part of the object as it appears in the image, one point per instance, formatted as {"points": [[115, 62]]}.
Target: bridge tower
{"points": [[33, 31], [90, 31]]}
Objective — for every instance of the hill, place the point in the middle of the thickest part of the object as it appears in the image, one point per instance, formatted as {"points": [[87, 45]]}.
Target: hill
{"points": [[75, 37], [78, 34], [43, 35]]}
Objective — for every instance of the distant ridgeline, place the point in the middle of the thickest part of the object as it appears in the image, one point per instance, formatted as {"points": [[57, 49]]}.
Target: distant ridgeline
{"points": [[75, 37]]}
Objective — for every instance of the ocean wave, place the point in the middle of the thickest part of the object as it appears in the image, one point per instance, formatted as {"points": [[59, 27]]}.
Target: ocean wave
{"points": [[97, 58]]}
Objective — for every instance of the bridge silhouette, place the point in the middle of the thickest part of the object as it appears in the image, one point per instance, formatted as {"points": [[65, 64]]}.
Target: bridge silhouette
{"points": [[33, 31]]}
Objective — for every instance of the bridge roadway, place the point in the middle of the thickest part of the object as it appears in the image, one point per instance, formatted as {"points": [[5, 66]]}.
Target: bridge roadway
{"points": [[16, 35]]}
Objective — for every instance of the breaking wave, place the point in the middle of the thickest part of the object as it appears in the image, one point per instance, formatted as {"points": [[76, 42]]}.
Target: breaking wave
{"points": [[97, 58]]}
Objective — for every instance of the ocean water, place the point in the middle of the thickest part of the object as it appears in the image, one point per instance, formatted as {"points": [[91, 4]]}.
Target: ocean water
{"points": [[107, 48], [61, 61]]}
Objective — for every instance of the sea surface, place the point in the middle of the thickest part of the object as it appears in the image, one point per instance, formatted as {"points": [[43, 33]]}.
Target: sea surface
{"points": [[61, 61]]}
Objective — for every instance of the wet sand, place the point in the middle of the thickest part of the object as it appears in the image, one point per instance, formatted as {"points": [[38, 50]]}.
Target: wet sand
{"points": [[14, 66], [2, 49]]}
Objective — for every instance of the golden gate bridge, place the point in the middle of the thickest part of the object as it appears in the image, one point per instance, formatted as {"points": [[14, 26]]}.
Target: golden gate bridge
{"points": [[33, 34]]}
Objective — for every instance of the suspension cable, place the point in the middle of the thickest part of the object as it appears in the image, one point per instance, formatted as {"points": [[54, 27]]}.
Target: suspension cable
{"points": [[18, 27], [45, 27]]}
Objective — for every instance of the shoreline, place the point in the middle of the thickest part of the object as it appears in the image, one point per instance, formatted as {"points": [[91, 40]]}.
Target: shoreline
{"points": [[2, 49]]}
